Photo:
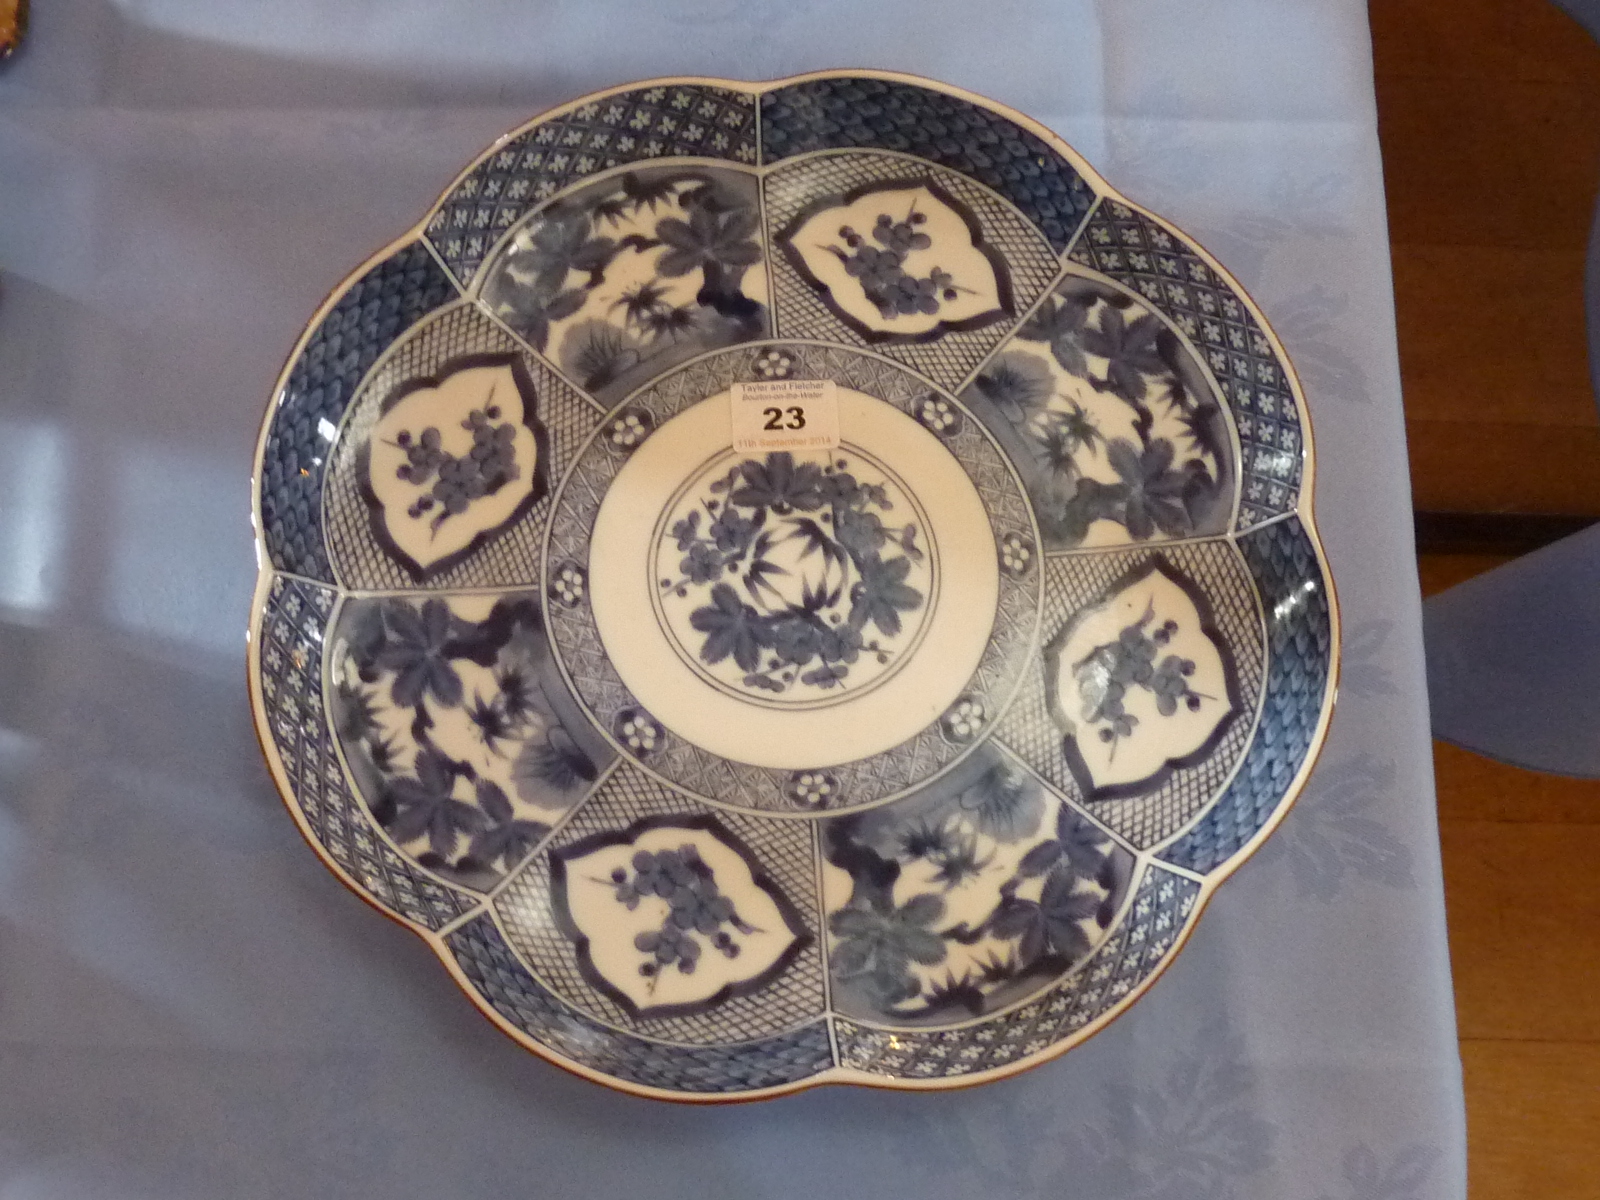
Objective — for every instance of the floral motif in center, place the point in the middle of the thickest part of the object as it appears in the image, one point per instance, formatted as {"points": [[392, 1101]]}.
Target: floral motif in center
{"points": [[795, 579]]}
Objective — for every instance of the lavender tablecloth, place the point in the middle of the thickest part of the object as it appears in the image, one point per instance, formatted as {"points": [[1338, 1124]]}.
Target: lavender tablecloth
{"points": [[191, 1006]]}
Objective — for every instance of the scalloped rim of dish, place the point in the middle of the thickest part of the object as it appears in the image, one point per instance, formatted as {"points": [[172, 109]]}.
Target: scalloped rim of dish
{"points": [[837, 1074]]}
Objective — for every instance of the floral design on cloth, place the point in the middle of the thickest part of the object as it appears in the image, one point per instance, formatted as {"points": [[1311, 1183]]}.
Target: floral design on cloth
{"points": [[1113, 425], [444, 711], [965, 897], [626, 277], [788, 577]]}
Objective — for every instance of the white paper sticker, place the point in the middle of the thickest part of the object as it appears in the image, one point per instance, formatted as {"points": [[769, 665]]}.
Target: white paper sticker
{"points": [[786, 414]]}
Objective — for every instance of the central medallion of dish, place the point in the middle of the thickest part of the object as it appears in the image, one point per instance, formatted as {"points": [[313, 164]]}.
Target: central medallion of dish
{"points": [[778, 629], [795, 581]]}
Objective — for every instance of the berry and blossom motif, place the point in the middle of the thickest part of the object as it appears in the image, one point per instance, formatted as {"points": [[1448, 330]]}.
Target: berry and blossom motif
{"points": [[938, 415], [813, 789], [568, 584], [634, 274], [1134, 660], [967, 896], [1117, 433], [452, 460], [444, 711], [682, 879], [773, 364], [457, 482], [639, 734], [1139, 681], [965, 719], [1016, 554], [789, 578], [627, 429], [902, 261], [673, 915], [878, 259]]}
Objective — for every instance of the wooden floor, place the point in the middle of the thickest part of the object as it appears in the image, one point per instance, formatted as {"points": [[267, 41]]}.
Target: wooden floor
{"points": [[1489, 115], [1532, 1071]]}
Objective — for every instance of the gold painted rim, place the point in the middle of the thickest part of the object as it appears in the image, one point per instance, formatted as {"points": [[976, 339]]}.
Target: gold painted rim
{"points": [[837, 1074]]}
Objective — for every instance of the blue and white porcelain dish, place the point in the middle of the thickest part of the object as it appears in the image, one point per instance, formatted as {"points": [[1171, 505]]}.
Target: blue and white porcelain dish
{"points": [[715, 764]]}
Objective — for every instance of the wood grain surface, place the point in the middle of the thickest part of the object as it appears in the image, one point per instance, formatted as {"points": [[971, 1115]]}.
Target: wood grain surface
{"points": [[1489, 117], [1523, 901], [13, 24]]}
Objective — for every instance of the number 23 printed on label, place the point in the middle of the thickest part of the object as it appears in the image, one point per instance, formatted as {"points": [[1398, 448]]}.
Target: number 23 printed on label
{"points": [[786, 414], [796, 418]]}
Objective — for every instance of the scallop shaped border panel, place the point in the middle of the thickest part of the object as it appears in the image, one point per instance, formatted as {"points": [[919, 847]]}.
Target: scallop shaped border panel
{"points": [[1024, 262], [885, 112], [680, 119], [1173, 274], [1154, 814], [437, 343], [356, 325], [286, 677]]}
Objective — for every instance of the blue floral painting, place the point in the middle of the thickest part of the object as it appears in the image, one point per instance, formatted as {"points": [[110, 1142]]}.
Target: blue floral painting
{"points": [[635, 273], [799, 575], [458, 732], [1111, 421], [967, 896]]}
